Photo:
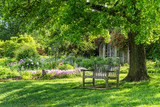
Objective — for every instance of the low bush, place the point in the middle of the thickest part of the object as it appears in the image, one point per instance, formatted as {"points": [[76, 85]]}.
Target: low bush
{"points": [[7, 61], [26, 75], [124, 69], [8, 47], [26, 51], [6, 73], [48, 62], [65, 67]]}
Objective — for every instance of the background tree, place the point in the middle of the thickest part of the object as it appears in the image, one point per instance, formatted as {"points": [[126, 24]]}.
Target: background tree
{"points": [[153, 50], [138, 19], [8, 29]]}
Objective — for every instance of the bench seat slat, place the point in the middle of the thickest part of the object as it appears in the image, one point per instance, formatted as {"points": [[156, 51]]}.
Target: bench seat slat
{"points": [[96, 77]]}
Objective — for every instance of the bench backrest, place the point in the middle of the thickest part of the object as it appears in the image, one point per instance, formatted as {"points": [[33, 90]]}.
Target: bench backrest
{"points": [[106, 70]]}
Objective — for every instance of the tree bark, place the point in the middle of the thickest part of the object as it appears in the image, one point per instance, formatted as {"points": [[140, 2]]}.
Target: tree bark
{"points": [[102, 49], [137, 71]]}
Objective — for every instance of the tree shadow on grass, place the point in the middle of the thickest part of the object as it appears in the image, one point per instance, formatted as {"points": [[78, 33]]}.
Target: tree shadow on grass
{"points": [[59, 94]]}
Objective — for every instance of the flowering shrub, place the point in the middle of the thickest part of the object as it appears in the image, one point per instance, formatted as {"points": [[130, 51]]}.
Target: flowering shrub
{"points": [[28, 64]]}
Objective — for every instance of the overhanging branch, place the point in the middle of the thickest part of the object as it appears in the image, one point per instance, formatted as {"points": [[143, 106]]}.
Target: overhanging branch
{"points": [[115, 10], [111, 11]]}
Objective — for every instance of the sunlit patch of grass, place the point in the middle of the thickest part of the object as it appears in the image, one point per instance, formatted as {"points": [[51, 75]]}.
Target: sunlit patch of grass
{"points": [[69, 92]]}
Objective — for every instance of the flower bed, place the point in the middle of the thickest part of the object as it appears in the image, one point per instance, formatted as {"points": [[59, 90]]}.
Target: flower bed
{"points": [[53, 73]]}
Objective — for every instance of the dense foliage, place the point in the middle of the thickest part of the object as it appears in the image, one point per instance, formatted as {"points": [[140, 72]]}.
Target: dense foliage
{"points": [[8, 47], [26, 51], [8, 29], [153, 50]]}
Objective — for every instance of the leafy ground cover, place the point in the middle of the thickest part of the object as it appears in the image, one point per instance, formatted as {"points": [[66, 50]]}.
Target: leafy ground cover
{"points": [[68, 92]]}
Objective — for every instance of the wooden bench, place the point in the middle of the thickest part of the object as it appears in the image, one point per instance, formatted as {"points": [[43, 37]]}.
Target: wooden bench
{"points": [[106, 72]]}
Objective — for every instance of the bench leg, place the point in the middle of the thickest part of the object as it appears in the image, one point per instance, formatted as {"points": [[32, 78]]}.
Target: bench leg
{"points": [[83, 82], [83, 79], [107, 86], [117, 82], [93, 82]]}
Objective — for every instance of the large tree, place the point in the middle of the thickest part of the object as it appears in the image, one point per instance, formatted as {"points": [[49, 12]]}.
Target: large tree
{"points": [[139, 20]]}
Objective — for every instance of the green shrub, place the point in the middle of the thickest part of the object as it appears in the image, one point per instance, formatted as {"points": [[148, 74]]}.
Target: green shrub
{"points": [[7, 73], [65, 76], [8, 47], [49, 76], [26, 51], [26, 75], [14, 67], [6, 61], [150, 63], [157, 63], [151, 70], [48, 62], [71, 60], [65, 67], [87, 63], [126, 64], [124, 69]]}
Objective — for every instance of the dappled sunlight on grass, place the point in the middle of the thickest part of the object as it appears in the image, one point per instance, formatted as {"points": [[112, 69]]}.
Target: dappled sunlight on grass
{"points": [[68, 92]]}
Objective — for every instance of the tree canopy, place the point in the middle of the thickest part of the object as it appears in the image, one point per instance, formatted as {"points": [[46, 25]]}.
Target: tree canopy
{"points": [[75, 18]]}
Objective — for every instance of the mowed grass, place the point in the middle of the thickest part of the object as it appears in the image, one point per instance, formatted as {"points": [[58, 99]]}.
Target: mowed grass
{"points": [[68, 92]]}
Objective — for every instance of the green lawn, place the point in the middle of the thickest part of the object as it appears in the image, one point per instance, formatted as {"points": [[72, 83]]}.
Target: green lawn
{"points": [[67, 92]]}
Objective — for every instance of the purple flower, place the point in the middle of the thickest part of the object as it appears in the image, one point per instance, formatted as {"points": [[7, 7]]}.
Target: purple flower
{"points": [[15, 62], [11, 63], [65, 72], [32, 72], [20, 61]]}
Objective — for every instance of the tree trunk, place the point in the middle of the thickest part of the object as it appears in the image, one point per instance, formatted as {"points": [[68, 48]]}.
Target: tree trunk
{"points": [[102, 50], [137, 70]]}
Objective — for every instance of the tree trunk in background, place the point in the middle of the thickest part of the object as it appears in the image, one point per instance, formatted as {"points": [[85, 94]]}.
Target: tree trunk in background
{"points": [[102, 50], [137, 71]]}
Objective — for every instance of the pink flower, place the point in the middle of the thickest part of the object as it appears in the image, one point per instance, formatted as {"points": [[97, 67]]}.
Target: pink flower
{"points": [[37, 63], [22, 66], [27, 63], [11, 63], [114, 62], [32, 63], [30, 60], [61, 63]]}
